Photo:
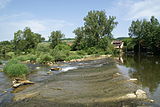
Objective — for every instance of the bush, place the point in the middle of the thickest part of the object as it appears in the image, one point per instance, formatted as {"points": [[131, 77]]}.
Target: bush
{"points": [[91, 50], [14, 69], [22, 58], [94, 50], [62, 47], [60, 52], [45, 58], [10, 54], [43, 47], [59, 55], [31, 57]]}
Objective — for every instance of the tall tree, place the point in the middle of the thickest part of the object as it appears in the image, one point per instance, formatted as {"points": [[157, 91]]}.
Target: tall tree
{"points": [[55, 38], [26, 40], [146, 34], [97, 26]]}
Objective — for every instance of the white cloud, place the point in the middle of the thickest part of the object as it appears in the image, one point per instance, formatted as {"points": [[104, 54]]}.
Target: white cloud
{"points": [[140, 9], [16, 16], [13, 23], [3, 3]]}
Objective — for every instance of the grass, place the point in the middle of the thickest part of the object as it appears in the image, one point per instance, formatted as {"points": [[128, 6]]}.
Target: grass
{"points": [[15, 69], [73, 57]]}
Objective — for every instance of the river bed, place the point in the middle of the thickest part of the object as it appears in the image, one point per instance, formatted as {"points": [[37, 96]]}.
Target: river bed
{"points": [[78, 84]]}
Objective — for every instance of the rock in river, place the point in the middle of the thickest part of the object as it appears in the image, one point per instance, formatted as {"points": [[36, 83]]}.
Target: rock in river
{"points": [[18, 82], [55, 69], [141, 94]]}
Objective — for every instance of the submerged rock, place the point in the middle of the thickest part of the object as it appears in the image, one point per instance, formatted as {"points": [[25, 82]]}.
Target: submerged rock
{"points": [[116, 74], [19, 97], [18, 82]]}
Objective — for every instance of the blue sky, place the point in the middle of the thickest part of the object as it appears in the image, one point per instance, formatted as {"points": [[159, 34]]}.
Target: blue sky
{"points": [[44, 16]]}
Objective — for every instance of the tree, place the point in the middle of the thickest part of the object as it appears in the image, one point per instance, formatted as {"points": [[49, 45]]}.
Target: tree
{"points": [[26, 40], [146, 34], [79, 42], [97, 26], [55, 38]]}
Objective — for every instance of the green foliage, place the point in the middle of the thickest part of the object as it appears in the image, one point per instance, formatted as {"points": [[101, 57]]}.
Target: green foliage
{"points": [[60, 52], [15, 69], [10, 54], [45, 58], [145, 35], [30, 57], [22, 58], [73, 57], [5, 47], [96, 31], [55, 38], [128, 44], [26, 40], [81, 52], [43, 47], [91, 50]]}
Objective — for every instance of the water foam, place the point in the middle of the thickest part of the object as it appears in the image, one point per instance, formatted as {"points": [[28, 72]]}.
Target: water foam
{"points": [[68, 68]]}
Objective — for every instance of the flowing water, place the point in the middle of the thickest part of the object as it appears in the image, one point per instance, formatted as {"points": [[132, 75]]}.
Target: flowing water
{"points": [[86, 82], [147, 70]]}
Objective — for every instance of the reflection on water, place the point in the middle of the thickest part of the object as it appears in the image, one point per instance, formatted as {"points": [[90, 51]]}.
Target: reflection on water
{"points": [[147, 70]]}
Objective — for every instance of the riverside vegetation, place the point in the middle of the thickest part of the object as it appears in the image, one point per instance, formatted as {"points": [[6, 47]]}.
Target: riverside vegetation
{"points": [[94, 39]]}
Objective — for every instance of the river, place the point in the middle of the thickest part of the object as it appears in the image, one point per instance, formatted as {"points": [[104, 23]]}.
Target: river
{"points": [[86, 83], [147, 70]]}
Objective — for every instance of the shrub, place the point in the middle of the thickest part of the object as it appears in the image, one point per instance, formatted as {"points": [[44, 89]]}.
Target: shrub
{"points": [[62, 47], [45, 58], [31, 57], [94, 50], [91, 50], [15, 69], [43, 47], [60, 52], [10, 54], [59, 55], [22, 58]]}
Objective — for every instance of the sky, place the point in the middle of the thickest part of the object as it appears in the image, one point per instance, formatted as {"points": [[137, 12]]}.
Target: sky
{"points": [[45, 16]]}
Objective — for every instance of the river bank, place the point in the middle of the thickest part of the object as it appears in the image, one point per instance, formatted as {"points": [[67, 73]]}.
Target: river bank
{"points": [[89, 83]]}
